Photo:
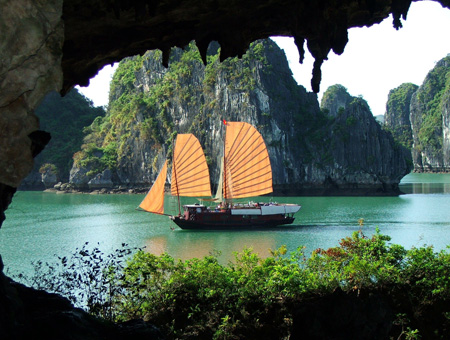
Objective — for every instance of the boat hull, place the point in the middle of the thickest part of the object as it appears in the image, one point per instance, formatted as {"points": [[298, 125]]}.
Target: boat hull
{"points": [[226, 221]]}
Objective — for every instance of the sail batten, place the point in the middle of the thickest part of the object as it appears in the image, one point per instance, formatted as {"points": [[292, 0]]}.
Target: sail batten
{"points": [[241, 166], [246, 146], [186, 156], [190, 174], [257, 177], [247, 164], [185, 168]]}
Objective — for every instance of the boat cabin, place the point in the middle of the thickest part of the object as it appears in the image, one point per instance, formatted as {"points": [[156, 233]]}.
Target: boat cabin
{"points": [[190, 210]]}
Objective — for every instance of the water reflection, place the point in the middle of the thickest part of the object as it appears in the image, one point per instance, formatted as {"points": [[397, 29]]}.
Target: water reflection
{"points": [[416, 183], [425, 188], [186, 245]]}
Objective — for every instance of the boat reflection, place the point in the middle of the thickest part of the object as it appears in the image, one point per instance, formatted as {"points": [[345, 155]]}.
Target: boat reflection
{"points": [[188, 245], [156, 246]]}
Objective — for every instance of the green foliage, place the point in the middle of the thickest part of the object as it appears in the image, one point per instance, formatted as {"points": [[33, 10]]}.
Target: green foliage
{"points": [[431, 96], [211, 70], [408, 333], [240, 74], [428, 273], [125, 73], [359, 262], [109, 157], [402, 135], [95, 158], [332, 92], [351, 120], [398, 104], [251, 296], [89, 278], [48, 167], [64, 117], [399, 98]]}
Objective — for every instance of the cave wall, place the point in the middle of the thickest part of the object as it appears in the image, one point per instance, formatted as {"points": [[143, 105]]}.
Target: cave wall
{"points": [[32, 37]]}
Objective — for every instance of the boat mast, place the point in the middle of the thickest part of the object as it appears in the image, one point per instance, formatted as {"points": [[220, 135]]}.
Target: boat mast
{"points": [[175, 173], [225, 187]]}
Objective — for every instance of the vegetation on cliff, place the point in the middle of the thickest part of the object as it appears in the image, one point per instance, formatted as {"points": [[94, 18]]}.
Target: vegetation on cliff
{"points": [[355, 131], [150, 104], [263, 297], [64, 117], [136, 113], [397, 113], [431, 97], [418, 117]]}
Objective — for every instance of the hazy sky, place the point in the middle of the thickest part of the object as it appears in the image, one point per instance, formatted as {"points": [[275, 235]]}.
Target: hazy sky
{"points": [[375, 60]]}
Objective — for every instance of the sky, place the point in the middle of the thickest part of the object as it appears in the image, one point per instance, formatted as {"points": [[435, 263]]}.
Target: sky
{"points": [[376, 59]]}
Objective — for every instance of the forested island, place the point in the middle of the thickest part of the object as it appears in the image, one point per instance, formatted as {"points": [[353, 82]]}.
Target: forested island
{"points": [[336, 147], [65, 118], [419, 118]]}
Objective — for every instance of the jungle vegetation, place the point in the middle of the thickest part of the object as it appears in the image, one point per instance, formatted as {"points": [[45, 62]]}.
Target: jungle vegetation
{"points": [[144, 114], [64, 117], [398, 102], [255, 297], [432, 95]]}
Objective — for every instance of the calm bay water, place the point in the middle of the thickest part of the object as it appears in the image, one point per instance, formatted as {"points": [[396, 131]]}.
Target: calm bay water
{"points": [[39, 224]]}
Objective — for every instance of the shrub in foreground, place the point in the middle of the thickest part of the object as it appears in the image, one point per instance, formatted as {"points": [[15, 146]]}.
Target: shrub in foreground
{"points": [[254, 297]]}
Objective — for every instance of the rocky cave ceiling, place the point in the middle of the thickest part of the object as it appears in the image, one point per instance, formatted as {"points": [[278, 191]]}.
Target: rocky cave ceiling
{"points": [[105, 31]]}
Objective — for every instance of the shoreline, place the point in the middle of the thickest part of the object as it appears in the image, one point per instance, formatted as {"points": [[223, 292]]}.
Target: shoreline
{"points": [[277, 192]]}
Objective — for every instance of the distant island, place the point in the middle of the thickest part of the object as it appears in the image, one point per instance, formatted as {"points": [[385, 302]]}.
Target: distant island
{"points": [[419, 119]]}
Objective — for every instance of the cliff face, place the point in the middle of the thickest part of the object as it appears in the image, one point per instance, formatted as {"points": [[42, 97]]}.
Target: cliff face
{"points": [[418, 117], [430, 120], [312, 152], [363, 154], [398, 113]]}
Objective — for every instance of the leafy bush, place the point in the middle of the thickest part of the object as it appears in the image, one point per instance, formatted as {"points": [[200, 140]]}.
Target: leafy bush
{"points": [[48, 167], [89, 278], [251, 296]]}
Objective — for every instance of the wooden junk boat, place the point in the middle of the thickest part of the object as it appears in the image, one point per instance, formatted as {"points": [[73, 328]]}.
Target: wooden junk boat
{"points": [[245, 172]]}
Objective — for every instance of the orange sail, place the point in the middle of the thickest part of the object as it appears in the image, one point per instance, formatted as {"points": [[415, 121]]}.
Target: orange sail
{"points": [[247, 170], [154, 201], [190, 174]]}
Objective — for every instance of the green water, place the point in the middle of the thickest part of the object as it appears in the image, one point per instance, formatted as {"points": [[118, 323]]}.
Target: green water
{"points": [[39, 224]]}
